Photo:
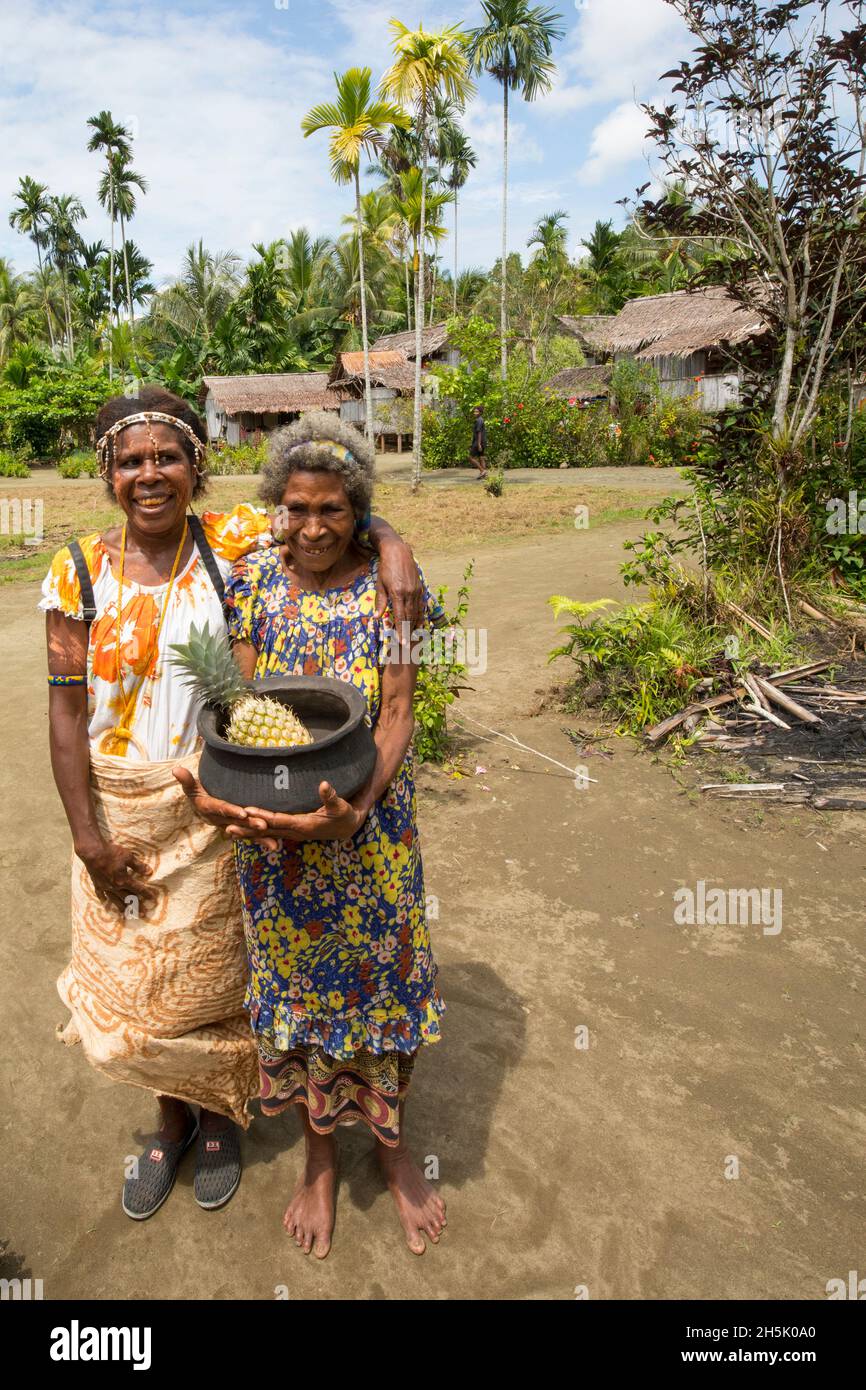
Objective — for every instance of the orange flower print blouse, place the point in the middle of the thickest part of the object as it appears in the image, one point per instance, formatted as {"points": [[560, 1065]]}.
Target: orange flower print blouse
{"points": [[163, 723]]}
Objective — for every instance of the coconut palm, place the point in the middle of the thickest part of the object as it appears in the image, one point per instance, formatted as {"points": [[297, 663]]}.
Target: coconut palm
{"points": [[30, 218], [304, 259], [91, 287], [379, 220], [116, 193], [461, 160], [110, 139], [358, 125], [469, 285], [550, 235], [425, 64], [195, 303], [514, 45], [604, 269], [48, 292]]}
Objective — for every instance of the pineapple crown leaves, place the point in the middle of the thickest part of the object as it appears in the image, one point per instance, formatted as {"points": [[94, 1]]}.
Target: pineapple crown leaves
{"points": [[209, 667]]}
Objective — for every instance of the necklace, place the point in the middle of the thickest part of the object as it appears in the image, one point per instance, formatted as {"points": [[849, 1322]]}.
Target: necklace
{"points": [[123, 733]]}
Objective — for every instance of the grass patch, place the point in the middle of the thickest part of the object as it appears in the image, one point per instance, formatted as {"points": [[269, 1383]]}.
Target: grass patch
{"points": [[437, 517]]}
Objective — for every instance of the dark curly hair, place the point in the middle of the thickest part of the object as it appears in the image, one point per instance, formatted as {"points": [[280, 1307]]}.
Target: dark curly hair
{"points": [[152, 398]]}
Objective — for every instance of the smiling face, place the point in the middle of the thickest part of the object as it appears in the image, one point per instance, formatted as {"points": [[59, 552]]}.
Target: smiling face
{"points": [[154, 493], [315, 520]]}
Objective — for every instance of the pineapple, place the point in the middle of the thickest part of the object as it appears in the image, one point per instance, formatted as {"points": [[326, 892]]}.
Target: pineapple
{"points": [[255, 721]]}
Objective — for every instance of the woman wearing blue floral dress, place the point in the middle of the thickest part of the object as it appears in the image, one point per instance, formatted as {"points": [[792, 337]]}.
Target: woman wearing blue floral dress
{"points": [[342, 990]]}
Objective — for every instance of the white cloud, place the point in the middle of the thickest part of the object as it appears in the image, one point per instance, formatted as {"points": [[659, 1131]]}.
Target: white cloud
{"points": [[617, 49], [217, 113], [619, 139], [216, 91]]}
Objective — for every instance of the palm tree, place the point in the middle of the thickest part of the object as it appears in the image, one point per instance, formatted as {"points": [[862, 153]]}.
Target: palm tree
{"points": [[469, 285], [514, 46], [195, 303], [91, 287], [425, 64], [379, 220], [64, 212], [304, 259], [111, 139], [31, 219], [603, 267], [358, 125], [444, 129], [411, 205], [461, 159], [550, 235], [116, 191], [16, 309]]}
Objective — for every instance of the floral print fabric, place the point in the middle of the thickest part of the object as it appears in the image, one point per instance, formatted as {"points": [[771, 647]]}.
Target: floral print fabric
{"points": [[337, 935], [164, 719]]}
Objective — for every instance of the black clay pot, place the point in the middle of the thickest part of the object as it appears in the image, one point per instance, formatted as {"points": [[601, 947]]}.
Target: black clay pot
{"points": [[287, 779]]}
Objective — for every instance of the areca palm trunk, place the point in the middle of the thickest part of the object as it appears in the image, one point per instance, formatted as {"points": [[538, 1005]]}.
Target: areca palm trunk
{"points": [[455, 250], [503, 313], [68, 309], [419, 316], [42, 282], [408, 300], [129, 307], [368, 391], [111, 277]]}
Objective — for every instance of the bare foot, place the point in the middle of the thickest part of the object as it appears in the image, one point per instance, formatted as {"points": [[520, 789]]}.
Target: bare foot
{"points": [[419, 1206], [309, 1217]]}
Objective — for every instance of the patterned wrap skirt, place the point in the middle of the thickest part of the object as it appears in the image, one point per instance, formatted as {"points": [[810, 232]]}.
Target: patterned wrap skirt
{"points": [[368, 1089]]}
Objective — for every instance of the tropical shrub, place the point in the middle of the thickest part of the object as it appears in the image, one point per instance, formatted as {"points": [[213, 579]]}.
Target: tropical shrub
{"points": [[494, 484], [79, 464], [57, 402], [440, 678], [13, 464], [645, 661], [529, 428], [236, 458]]}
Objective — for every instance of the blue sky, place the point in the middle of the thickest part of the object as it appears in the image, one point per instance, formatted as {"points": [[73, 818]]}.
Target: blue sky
{"points": [[214, 94]]}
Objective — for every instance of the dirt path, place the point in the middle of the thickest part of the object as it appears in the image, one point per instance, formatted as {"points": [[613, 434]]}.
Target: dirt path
{"points": [[563, 1166]]}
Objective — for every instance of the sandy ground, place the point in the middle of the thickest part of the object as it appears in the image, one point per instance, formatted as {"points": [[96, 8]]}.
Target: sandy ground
{"points": [[598, 1168]]}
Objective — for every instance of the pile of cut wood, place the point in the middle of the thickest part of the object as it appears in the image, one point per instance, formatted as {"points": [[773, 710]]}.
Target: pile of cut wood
{"points": [[804, 734]]}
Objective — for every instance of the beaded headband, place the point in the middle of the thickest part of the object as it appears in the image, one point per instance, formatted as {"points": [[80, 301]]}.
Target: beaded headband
{"points": [[144, 417]]}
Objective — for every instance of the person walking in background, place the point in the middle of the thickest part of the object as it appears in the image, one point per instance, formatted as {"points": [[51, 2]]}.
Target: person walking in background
{"points": [[478, 448]]}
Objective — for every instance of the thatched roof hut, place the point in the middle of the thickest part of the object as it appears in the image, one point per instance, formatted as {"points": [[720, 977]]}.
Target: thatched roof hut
{"points": [[434, 343], [681, 324], [239, 408], [580, 383], [389, 370], [287, 392], [590, 330]]}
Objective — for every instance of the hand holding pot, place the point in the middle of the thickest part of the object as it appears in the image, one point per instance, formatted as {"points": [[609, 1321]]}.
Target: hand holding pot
{"points": [[335, 819], [216, 812]]}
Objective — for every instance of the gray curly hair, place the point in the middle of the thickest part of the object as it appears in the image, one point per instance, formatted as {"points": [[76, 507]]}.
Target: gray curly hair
{"points": [[308, 445]]}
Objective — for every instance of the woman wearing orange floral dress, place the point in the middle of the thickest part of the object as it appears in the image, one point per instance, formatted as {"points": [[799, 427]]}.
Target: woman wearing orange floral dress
{"points": [[156, 982]]}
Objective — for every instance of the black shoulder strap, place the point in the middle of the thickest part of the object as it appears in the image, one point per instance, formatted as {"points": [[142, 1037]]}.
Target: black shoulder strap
{"points": [[88, 601], [208, 560]]}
